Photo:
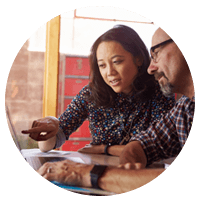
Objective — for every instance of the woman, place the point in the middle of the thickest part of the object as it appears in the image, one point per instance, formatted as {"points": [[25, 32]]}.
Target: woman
{"points": [[120, 100]]}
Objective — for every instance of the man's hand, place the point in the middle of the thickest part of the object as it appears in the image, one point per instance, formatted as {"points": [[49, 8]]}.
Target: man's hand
{"points": [[133, 153], [130, 166], [43, 129], [67, 172]]}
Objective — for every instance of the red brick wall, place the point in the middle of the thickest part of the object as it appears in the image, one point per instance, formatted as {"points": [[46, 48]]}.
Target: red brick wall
{"points": [[24, 91]]}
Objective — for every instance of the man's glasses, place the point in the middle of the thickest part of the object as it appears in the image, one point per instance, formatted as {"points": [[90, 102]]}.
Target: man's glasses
{"points": [[154, 55]]}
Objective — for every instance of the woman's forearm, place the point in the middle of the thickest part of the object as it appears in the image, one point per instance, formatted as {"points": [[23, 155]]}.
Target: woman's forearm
{"points": [[115, 150], [47, 145]]}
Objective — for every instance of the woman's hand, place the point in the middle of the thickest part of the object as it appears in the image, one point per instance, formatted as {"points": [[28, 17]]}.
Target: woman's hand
{"points": [[96, 149], [43, 129], [67, 172]]}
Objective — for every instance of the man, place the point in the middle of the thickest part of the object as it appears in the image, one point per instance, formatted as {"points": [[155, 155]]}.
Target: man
{"points": [[161, 140], [166, 138]]}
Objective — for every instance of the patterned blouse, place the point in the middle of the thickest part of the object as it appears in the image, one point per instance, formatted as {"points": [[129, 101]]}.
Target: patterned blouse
{"points": [[114, 125]]}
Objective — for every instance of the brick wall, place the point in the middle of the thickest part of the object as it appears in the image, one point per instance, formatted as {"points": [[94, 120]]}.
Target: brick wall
{"points": [[24, 91]]}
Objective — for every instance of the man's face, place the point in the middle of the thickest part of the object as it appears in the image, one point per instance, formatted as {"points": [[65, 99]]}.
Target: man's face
{"points": [[168, 64]]}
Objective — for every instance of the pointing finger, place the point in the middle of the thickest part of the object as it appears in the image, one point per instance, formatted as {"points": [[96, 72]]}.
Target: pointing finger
{"points": [[35, 130]]}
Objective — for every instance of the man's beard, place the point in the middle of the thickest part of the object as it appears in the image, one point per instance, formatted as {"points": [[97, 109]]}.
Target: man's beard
{"points": [[166, 89]]}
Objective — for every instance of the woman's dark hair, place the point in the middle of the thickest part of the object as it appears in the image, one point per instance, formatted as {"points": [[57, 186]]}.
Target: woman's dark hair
{"points": [[143, 84]]}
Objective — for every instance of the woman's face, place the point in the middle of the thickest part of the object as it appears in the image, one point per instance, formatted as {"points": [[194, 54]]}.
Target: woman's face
{"points": [[117, 66]]}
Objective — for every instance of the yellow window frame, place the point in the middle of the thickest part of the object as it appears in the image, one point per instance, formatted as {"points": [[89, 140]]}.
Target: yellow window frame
{"points": [[50, 94]]}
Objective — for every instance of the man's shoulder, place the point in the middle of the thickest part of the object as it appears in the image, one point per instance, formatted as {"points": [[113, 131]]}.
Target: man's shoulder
{"points": [[184, 104], [185, 100]]}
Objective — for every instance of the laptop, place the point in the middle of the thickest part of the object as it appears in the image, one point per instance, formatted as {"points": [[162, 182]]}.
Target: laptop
{"points": [[37, 161]]}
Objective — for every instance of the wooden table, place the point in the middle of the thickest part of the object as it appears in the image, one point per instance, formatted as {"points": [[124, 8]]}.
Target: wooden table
{"points": [[82, 158], [86, 158]]}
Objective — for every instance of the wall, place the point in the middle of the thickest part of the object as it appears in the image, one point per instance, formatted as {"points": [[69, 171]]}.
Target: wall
{"points": [[24, 91]]}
